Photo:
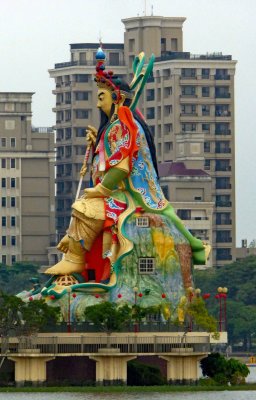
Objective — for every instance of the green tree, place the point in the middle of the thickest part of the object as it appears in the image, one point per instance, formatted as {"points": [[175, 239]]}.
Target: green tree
{"points": [[224, 371], [108, 317], [240, 279], [19, 318]]}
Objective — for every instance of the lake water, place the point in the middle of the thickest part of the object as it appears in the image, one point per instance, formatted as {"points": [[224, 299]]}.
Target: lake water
{"points": [[224, 395]]}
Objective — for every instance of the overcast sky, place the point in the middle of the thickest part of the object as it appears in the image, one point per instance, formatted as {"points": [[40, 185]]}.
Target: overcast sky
{"points": [[35, 34]]}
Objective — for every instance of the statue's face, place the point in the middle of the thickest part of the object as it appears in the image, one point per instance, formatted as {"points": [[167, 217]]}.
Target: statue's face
{"points": [[105, 101]]}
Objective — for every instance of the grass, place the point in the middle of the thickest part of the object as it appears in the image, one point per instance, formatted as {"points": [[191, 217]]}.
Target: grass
{"points": [[128, 389]]}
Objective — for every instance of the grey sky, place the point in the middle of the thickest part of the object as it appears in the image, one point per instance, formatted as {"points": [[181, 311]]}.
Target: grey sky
{"points": [[35, 34]]}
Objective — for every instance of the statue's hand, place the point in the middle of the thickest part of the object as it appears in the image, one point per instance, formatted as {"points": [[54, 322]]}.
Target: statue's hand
{"points": [[98, 191], [91, 193], [91, 134]]}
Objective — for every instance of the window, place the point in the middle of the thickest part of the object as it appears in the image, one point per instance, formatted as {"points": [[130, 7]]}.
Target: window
{"points": [[168, 146], [13, 221], [207, 164], [131, 45], [4, 221], [163, 44], [223, 254], [13, 182], [13, 163], [13, 202], [3, 142], [207, 147], [223, 183], [68, 151], [223, 147], [142, 222], [82, 114], [3, 162], [4, 259], [222, 129], [205, 110], [223, 200], [184, 214], [174, 44], [222, 110], [68, 115], [150, 113], [188, 72], [188, 90], [150, 94], [113, 58], [205, 91], [4, 241], [222, 92], [147, 265], [222, 74], [68, 98], [205, 73], [13, 259], [81, 132], [13, 240], [206, 128], [167, 91], [81, 78], [189, 127], [81, 95], [188, 109], [167, 110], [223, 237], [13, 142], [222, 165], [3, 183], [3, 202]]}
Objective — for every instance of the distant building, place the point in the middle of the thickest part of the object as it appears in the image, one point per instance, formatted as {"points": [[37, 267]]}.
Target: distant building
{"points": [[190, 193], [188, 103], [27, 182]]}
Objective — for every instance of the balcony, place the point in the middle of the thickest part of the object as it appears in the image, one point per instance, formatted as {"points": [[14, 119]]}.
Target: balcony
{"points": [[224, 222], [223, 240], [222, 95], [223, 204], [221, 77], [226, 186], [223, 257], [223, 113], [223, 132]]}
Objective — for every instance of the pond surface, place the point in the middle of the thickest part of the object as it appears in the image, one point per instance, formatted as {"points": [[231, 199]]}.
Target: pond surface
{"points": [[224, 395]]}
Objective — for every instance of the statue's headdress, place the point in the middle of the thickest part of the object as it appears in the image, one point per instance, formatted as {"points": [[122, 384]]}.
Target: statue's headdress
{"points": [[111, 82]]}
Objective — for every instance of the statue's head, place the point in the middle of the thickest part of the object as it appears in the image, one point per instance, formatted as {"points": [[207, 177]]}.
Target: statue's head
{"points": [[113, 92]]}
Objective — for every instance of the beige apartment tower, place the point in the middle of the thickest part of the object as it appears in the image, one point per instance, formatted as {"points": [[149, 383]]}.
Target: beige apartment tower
{"points": [[189, 105], [27, 182]]}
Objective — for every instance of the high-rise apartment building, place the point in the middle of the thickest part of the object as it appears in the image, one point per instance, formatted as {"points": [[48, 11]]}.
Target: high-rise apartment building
{"points": [[188, 103], [26, 182]]}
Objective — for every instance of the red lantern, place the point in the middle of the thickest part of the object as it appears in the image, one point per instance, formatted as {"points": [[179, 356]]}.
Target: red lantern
{"points": [[163, 295], [30, 298], [206, 296], [52, 297], [97, 296], [217, 296], [119, 295], [74, 295], [140, 294]]}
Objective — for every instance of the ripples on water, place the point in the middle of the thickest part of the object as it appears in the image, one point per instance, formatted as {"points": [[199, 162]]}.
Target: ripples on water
{"points": [[224, 395]]}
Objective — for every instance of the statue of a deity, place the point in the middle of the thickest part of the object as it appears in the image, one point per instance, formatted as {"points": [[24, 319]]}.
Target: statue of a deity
{"points": [[125, 186]]}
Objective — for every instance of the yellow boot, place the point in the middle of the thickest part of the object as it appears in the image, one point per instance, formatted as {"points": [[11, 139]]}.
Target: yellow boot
{"points": [[73, 260]]}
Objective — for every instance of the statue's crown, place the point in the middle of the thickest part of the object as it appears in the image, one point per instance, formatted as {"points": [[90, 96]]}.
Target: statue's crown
{"points": [[111, 82]]}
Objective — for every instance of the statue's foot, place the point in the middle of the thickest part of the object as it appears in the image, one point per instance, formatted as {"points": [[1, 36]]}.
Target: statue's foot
{"points": [[71, 263], [63, 245]]}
